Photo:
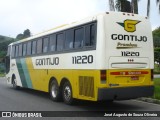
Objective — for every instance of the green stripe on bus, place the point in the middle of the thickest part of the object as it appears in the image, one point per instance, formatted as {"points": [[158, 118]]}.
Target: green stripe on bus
{"points": [[26, 73], [21, 73]]}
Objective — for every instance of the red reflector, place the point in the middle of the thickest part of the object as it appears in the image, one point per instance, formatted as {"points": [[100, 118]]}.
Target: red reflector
{"points": [[103, 74], [115, 73], [130, 73], [152, 77]]}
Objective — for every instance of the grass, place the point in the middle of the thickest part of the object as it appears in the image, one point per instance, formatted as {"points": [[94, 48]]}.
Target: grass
{"points": [[157, 88], [2, 74]]}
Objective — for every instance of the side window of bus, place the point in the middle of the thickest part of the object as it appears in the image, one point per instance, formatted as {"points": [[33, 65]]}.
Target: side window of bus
{"points": [[45, 44], [20, 50], [24, 49], [13, 52], [52, 43], [8, 50], [34, 47], [39, 46], [79, 38], [17, 50], [69, 39], [60, 39], [29, 48], [90, 33], [93, 35]]}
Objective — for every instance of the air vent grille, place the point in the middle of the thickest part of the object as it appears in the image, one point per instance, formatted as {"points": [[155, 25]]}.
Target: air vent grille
{"points": [[86, 86]]}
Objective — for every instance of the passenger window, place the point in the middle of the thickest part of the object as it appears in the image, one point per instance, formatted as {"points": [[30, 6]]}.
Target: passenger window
{"points": [[34, 47], [93, 35], [79, 37], [29, 48], [69, 39], [39, 46], [8, 50], [24, 49], [90, 34], [13, 52], [60, 42], [52, 43], [17, 50], [20, 50], [45, 45]]}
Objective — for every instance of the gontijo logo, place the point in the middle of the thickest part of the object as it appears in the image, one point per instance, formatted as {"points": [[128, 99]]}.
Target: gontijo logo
{"points": [[129, 25]]}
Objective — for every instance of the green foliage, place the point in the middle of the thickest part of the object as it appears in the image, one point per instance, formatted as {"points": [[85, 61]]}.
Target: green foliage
{"points": [[156, 32], [4, 42], [156, 69], [123, 5], [156, 40], [19, 36], [25, 34], [157, 88]]}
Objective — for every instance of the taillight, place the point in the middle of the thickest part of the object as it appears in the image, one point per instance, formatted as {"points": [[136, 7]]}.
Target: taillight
{"points": [[152, 76], [103, 76]]}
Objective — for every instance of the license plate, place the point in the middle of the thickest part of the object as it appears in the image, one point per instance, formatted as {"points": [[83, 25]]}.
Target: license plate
{"points": [[135, 78]]}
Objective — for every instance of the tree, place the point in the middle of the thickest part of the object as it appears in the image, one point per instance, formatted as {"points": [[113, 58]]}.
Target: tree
{"points": [[156, 39], [111, 5], [19, 36], [25, 34], [123, 5], [148, 8], [134, 5], [157, 55], [156, 32], [158, 3]]}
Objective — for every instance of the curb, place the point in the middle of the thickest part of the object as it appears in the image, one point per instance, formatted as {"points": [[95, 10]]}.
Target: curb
{"points": [[149, 100]]}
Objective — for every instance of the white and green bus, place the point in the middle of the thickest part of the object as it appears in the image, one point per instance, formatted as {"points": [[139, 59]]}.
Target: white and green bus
{"points": [[108, 56]]}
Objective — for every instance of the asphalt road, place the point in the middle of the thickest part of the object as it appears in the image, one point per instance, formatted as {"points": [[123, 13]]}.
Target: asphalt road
{"points": [[31, 100]]}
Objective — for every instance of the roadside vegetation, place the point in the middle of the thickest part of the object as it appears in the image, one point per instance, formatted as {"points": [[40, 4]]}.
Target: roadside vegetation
{"points": [[2, 75], [157, 88], [156, 69], [4, 42]]}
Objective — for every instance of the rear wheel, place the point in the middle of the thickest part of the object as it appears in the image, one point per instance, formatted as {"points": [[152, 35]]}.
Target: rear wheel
{"points": [[67, 93], [55, 91]]}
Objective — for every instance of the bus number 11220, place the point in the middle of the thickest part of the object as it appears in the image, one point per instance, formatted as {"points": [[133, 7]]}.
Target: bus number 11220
{"points": [[82, 59]]}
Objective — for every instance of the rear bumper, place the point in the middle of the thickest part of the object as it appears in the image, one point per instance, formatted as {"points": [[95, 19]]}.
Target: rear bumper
{"points": [[125, 93]]}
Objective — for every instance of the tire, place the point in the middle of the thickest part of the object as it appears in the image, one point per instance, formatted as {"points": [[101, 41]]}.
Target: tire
{"points": [[67, 93], [55, 91], [14, 83]]}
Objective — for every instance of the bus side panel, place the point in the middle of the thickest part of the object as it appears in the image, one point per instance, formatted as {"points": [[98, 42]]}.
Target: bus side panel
{"points": [[86, 81], [39, 77], [14, 71]]}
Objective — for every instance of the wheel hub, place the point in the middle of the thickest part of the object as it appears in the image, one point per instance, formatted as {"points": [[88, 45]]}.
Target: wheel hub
{"points": [[67, 93]]}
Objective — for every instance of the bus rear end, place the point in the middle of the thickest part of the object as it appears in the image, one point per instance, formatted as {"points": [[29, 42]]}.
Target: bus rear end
{"points": [[129, 57]]}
